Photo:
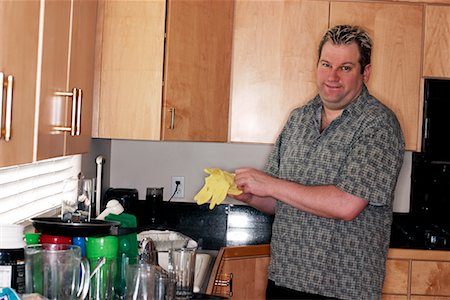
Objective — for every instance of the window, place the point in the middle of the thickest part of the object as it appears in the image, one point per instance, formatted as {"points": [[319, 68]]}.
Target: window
{"points": [[32, 189]]}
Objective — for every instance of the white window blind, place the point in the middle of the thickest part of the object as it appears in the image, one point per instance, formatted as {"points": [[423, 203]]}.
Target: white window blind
{"points": [[29, 190]]}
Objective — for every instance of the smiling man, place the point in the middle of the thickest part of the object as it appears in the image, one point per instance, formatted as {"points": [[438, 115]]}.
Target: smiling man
{"points": [[330, 182]]}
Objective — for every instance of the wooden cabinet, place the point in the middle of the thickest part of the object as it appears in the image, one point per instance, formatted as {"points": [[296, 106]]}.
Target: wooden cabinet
{"points": [[417, 274], [66, 87], [240, 272], [18, 59], [395, 78], [42, 65], [129, 72], [197, 70], [274, 63], [129, 69], [436, 61]]}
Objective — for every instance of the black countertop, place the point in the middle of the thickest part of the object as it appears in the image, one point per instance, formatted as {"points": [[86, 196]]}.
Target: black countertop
{"points": [[236, 225], [225, 225]]}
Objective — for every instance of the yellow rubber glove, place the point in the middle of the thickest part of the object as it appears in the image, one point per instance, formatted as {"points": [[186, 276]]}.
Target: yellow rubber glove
{"points": [[217, 185]]}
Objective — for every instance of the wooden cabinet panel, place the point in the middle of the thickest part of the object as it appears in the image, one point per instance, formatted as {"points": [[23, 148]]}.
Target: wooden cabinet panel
{"points": [[67, 63], [18, 57], [240, 272], [436, 61], [395, 78], [394, 297], [430, 278], [274, 62], [82, 70], [429, 298], [197, 70], [396, 279], [55, 57], [129, 69]]}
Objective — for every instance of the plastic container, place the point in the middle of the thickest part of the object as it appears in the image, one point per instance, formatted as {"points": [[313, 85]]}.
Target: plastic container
{"points": [[12, 257], [102, 283]]}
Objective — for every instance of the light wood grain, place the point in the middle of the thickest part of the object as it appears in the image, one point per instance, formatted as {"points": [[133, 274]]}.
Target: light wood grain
{"points": [[249, 268], [52, 109], [396, 280], [274, 63], [197, 70], [82, 70], [394, 297], [396, 30], [18, 57], [436, 62], [430, 278], [130, 87]]}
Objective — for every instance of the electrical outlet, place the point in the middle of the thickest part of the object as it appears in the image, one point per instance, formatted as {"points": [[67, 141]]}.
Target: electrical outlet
{"points": [[180, 191]]}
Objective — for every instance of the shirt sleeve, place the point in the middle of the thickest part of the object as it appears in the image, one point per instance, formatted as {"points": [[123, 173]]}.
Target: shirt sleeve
{"points": [[373, 164]]}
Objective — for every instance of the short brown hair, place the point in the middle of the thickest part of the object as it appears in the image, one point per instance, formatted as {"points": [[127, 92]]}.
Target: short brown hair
{"points": [[347, 34]]}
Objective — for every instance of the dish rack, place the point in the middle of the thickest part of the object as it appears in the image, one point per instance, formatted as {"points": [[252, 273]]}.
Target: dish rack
{"points": [[164, 240]]}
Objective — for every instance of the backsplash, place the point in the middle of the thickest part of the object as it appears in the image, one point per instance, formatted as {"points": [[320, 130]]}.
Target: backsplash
{"points": [[142, 164]]}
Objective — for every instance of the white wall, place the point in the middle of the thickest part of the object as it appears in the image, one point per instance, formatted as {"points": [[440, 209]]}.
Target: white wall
{"points": [[142, 164]]}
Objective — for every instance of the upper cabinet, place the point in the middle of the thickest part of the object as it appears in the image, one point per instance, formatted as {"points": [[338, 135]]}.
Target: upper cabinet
{"points": [[81, 76], [396, 30], [48, 103], [274, 63], [197, 70], [65, 102], [129, 69], [436, 62], [18, 72]]}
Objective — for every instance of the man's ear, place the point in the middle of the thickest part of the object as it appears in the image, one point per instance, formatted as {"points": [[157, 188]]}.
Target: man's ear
{"points": [[366, 73]]}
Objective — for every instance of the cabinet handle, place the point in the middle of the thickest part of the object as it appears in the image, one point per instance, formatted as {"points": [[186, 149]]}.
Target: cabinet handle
{"points": [[2, 82], [8, 117], [75, 122], [226, 282], [172, 118]]}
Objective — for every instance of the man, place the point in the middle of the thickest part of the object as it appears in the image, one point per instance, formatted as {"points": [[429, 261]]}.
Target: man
{"points": [[330, 182]]}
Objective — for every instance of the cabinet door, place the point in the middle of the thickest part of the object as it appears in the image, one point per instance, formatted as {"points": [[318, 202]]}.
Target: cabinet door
{"points": [[197, 70], [240, 272], [274, 64], [129, 67], [396, 30], [55, 51], [18, 57], [396, 279], [436, 61], [430, 278], [81, 75]]}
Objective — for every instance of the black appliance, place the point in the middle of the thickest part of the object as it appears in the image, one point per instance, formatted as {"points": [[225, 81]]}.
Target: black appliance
{"points": [[126, 196], [436, 120], [427, 226]]}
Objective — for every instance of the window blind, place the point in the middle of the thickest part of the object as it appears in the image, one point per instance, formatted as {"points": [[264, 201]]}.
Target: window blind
{"points": [[33, 189]]}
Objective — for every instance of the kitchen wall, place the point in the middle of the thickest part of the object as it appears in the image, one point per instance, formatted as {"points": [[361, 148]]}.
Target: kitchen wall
{"points": [[142, 164]]}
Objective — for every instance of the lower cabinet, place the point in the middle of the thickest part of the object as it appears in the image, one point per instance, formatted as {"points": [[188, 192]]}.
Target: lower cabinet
{"points": [[241, 273], [417, 274]]}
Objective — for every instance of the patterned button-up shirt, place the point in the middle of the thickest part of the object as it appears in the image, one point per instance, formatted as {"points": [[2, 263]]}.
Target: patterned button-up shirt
{"points": [[361, 153]]}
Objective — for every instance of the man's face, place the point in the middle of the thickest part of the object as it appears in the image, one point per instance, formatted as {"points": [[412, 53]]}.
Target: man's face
{"points": [[339, 78]]}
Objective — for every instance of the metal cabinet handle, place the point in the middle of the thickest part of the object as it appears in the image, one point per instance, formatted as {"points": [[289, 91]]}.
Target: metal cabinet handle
{"points": [[2, 82], [225, 283], [75, 122], [8, 114], [6, 131], [172, 118]]}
